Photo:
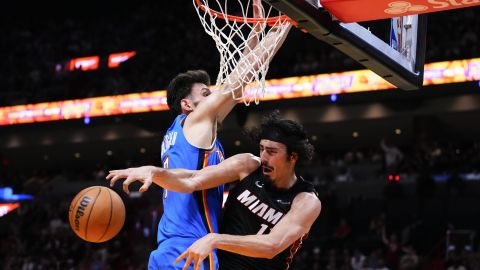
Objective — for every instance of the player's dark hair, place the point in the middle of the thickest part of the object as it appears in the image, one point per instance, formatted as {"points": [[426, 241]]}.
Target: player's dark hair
{"points": [[181, 86], [288, 132]]}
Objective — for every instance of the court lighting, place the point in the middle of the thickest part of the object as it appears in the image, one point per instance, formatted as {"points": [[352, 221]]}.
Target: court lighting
{"points": [[333, 97]]}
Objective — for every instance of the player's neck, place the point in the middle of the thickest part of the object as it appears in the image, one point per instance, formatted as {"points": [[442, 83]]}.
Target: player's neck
{"points": [[286, 182]]}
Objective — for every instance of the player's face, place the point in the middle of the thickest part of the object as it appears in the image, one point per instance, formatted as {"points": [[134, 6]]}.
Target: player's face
{"points": [[199, 92], [276, 163]]}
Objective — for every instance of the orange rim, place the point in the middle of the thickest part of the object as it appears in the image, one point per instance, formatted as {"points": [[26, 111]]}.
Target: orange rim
{"points": [[270, 21]]}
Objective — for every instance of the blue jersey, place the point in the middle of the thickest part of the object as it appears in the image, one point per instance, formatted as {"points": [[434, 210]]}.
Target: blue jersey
{"points": [[189, 215]]}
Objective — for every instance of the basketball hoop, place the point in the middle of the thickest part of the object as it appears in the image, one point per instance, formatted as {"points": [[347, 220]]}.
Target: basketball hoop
{"points": [[246, 43]]}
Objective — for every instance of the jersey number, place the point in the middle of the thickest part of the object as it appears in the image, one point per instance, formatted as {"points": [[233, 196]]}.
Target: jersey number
{"points": [[262, 229], [165, 166]]}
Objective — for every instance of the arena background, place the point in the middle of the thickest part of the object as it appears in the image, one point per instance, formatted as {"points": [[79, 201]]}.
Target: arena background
{"points": [[393, 163]]}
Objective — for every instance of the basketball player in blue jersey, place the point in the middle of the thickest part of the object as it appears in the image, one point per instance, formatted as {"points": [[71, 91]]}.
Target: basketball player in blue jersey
{"points": [[191, 143], [269, 212]]}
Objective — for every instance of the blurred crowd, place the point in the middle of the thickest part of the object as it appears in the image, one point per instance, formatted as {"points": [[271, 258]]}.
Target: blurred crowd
{"points": [[38, 235], [168, 39], [443, 160]]}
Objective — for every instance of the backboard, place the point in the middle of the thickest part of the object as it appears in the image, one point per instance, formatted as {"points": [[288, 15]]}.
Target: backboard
{"points": [[400, 61]]}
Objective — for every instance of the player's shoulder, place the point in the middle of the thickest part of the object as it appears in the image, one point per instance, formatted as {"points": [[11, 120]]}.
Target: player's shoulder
{"points": [[307, 198], [247, 160], [179, 121], [247, 157], [244, 164]]}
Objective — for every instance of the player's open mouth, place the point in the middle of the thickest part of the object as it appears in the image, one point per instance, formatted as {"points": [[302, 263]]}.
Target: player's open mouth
{"points": [[267, 169]]}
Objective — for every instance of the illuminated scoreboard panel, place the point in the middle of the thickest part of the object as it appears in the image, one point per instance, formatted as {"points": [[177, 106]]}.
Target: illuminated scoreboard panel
{"points": [[276, 89]]}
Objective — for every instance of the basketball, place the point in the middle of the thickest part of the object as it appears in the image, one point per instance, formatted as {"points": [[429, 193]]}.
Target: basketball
{"points": [[96, 214]]}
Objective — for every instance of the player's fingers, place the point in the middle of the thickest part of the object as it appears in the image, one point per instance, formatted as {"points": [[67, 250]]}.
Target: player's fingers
{"points": [[145, 186], [181, 257], [197, 263], [115, 178], [126, 183], [257, 9], [117, 171], [114, 173], [188, 262]]}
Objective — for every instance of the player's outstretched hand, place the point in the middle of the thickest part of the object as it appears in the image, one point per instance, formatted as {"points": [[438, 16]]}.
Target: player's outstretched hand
{"points": [[142, 174], [197, 252]]}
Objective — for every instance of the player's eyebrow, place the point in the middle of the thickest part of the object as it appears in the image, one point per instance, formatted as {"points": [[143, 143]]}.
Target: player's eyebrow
{"points": [[269, 147]]}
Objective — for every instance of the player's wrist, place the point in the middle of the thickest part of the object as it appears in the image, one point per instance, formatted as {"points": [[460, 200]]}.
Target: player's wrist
{"points": [[214, 239], [153, 171]]}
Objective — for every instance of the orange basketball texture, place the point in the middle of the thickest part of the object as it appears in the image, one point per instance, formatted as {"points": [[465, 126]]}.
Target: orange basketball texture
{"points": [[96, 214]]}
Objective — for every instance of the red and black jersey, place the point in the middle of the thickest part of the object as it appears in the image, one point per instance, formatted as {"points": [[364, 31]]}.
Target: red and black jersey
{"points": [[254, 206]]}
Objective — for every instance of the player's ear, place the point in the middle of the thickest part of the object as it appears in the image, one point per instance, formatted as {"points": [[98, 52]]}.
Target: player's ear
{"points": [[294, 156], [186, 105]]}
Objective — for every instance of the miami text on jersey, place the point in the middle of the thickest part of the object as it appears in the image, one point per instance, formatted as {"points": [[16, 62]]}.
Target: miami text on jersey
{"points": [[259, 208]]}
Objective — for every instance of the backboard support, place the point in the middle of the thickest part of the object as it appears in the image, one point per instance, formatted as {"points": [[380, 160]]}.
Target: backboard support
{"points": [[402, 70]]}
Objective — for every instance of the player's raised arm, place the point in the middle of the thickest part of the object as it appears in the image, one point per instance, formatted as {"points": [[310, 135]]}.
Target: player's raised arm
{"points": [[188, 181]]}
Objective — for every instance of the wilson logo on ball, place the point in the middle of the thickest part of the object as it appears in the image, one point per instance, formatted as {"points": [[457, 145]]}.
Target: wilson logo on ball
{"points": [[81, 211]]}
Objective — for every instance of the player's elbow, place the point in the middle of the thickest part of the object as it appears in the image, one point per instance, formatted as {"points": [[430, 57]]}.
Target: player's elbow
{"points": [[249, 161], [272, 249], [270, 255]]}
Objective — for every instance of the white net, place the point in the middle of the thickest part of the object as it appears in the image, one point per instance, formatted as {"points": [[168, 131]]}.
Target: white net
{"points": [[246, 43]]}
